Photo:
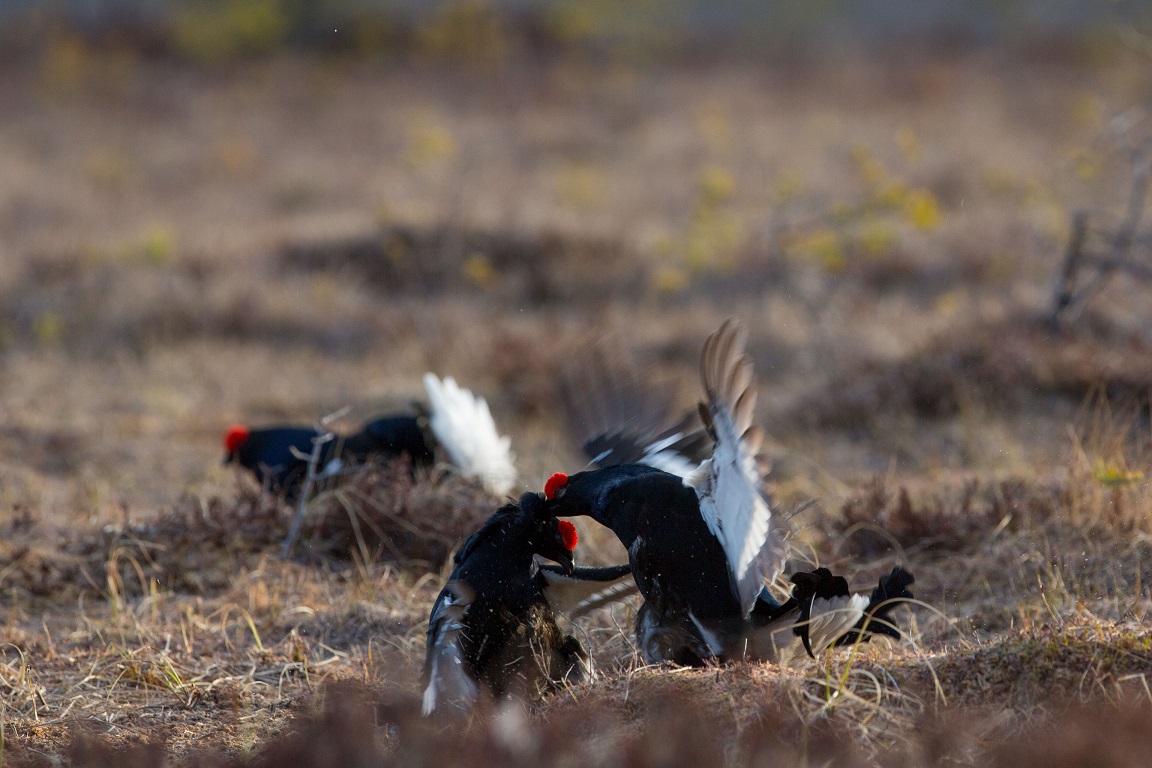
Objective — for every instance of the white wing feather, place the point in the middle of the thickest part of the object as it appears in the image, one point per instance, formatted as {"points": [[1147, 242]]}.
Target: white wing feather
{"points": [[832, 617], [730, 483], [448, 681], [464, 427]]}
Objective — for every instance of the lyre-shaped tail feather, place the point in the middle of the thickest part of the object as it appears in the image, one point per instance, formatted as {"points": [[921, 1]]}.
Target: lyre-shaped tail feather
{"points": [[889, 594], [464, 428], [586, 589], [730, 484]]}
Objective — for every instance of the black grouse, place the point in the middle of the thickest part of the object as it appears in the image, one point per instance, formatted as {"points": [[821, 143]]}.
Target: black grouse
{"points": [[493, 627], [701, 547], [455, 421], [278, 456]]}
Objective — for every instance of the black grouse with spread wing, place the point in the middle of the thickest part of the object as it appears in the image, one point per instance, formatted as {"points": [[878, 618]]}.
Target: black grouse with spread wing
{"points": [[702, 546]]}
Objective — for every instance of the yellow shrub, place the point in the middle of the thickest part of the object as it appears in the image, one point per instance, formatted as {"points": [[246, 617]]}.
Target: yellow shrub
{"points": [[822, 246], [921, 209], [716, 185], [465, 30], [478, 270], [218, 30]]}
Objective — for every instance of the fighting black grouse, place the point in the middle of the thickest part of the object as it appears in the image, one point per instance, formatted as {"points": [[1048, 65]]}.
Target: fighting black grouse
{"points": [[493, 627], [702, 546]]}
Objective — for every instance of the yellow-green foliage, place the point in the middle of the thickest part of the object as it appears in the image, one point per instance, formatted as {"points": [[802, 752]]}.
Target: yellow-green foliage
{"points": [[470, 31], [822, 245], [868, 225], [713, 237], [1113, 476], [212, 31], [478, 270], [581, 185], [429, 140], [634, 26], [155, 247], [64, 63]]}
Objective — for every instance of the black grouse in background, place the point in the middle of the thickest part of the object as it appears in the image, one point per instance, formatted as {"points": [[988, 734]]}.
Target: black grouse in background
{"points": [[455, 422], [278, 456], [702, 546], [493, 627]]}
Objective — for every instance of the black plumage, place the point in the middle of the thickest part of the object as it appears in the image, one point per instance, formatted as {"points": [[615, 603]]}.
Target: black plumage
{"points": [[703, 542], [679, 566], [492, 628], [278, 455], [691, 612]]}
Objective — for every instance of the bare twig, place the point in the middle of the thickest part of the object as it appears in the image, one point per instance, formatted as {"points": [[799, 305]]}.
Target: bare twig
{"points": [[323, 437], [1118, 258], [1066, 284]]}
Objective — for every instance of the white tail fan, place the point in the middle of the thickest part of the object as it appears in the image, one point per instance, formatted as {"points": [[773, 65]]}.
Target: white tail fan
{"points": [[464, 427]]}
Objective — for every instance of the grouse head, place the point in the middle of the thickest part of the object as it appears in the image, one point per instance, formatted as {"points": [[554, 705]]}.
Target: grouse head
{"points": [[234, 439], [559, 499], [549, 536]]}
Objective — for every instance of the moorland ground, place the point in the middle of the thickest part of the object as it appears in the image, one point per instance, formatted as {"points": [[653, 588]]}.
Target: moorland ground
{"points": [[284, 238]]}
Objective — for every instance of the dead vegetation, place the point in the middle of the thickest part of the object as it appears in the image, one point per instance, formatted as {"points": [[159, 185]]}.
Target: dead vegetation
{"points": [[1002, 364], [301, 235], [384, 514]]}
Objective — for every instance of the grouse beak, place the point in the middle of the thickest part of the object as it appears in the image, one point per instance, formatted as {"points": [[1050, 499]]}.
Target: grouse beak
{"points": [[567, 562]]}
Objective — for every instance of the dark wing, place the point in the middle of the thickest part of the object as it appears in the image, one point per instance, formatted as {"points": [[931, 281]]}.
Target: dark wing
{"points": [[447, 680], [621, 417], [489, 528]]}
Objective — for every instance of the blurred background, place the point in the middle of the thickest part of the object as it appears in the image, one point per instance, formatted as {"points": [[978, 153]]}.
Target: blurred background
{"points": [[268, 210], [219, 29]]}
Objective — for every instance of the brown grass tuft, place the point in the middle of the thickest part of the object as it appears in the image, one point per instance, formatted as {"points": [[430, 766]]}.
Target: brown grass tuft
{"points": [[384, 514]]}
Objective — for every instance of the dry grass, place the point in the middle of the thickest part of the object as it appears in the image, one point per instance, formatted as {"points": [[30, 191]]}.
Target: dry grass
{"points": [[383, 513], [185, 249]]}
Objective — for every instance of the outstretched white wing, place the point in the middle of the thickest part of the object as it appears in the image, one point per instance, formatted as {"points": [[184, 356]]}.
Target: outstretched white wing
{"points": [[730, 483], [464, 427]]}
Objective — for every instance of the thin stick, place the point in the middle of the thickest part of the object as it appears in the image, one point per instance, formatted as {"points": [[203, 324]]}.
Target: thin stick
{"points": [[318, 443], [1066, 284], [1118, 257]]}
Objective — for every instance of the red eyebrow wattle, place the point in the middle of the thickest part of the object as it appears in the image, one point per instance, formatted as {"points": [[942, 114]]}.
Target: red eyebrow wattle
{"points": [[555, 483]]}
